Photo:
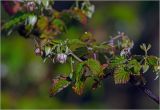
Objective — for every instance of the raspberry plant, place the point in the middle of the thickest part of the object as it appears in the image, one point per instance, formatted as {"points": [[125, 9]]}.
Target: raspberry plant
{"points": [[89, 60]]}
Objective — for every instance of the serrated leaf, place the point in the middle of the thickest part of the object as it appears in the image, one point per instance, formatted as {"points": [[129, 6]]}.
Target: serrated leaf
{"points": [[75, 43], [121, 76], [134, 66], [95, 67], [42, 23], [152, 60], [117, 61], [58, 85]]}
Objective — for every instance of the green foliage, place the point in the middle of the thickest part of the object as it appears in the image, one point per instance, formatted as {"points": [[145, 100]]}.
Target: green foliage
{"points": [[75, 43], [20, 17], [79, 82], [121, 76], [95, 67], [42, 23], [89, 59], [134, 66], [152, 60], [118, 60], [58, 23], [58, 85]]}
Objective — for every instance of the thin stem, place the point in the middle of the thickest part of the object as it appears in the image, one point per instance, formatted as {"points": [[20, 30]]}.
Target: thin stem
{"points": [[71, 65], [114, 38], [149, 93], [76, 57], [144, 88]]}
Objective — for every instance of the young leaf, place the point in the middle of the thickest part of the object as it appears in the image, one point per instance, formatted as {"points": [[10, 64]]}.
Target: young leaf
{"points": [[58, 85], [152, 60], [95, 67], [145, 48], [117, 61], [145, 68], [134, 66], [75, 43], [42, 23], [121, 76]]}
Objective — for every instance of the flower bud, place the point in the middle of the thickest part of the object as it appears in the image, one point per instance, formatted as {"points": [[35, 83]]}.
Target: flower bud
{"points": [[61, 58], [38, 52]]}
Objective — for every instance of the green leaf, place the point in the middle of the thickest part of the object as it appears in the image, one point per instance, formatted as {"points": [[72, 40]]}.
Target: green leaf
{"points": [[17, 19], [152, 60], [58, 23], [79, 71], [78, 87], [116, 61], [58, 85], [47, 50], [95, 67], [145, 68], [134, 66], [42, 22], [121, 76], [75, 43], [79, 84], [45, 3]]}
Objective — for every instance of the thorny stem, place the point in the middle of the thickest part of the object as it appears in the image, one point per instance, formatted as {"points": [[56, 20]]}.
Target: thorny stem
{"points": [[144, 88], [149, 93]]}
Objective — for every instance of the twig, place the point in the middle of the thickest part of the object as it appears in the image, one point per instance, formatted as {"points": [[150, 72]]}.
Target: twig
{"points": [[144, 88], [149, 93], [77, 58]]}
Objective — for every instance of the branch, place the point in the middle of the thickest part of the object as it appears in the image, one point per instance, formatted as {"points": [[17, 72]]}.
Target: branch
{"points": [[149, 93], [144, 88]]}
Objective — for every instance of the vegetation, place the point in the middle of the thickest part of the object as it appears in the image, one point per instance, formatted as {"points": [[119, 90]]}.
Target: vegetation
{"points": [[90, 61]]}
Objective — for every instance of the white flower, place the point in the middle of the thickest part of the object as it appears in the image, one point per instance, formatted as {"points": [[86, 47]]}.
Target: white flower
{"points": [[32, 20], [61, 58], [31, 6], [125, 51]]}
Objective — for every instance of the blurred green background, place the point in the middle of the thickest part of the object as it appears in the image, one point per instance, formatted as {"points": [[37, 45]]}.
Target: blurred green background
{"points": [[25, 79]]}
